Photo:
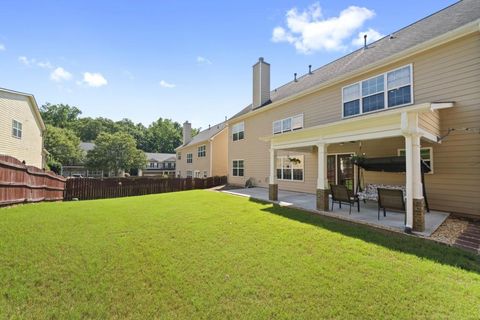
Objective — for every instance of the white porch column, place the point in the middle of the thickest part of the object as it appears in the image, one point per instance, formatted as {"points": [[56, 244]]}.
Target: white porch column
{"points": [[272, 166], [322, 178], [415, 205], [272, 186]]}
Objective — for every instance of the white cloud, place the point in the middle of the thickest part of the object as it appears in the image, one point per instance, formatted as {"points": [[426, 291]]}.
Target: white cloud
{"points": [[2, 47], [26, 61], [372, 35], [60, 74], [45, 64], [93, 79], [203, 60], [309, 31], [165, 84]]}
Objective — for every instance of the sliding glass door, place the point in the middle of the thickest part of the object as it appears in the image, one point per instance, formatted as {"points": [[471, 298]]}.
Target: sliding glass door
{"points": [[340, 170]]}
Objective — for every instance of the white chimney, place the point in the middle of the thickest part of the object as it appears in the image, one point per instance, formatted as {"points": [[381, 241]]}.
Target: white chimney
{"points": [[187, 132], [261, 83]]}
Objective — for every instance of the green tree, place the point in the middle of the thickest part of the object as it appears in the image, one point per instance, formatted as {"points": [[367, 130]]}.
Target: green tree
{"points": [[87, 129], [163, 135], [137, 131], [59, 115], [62, 145], [115, 152]]}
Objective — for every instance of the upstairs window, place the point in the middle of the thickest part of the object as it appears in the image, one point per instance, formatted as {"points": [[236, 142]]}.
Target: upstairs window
{"points": [[238, 131], [288, 124], [179, 156], [17, 129], [189, 158], [202, 151], [391, 89]]}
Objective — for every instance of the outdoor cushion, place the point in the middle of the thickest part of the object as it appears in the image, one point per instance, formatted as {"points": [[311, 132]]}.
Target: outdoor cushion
{"points": [[371, 193]]}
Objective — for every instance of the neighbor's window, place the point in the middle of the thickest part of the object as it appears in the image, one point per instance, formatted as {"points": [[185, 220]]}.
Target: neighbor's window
{"points": [[152, 164], [202, 151], [189, 158], [238, 169], [290, 167], [205, 174], [288, 124], [238, 131], [426, 154], [390, 89], [16, 129], [197, 173], [179, 156], [189, 173]]}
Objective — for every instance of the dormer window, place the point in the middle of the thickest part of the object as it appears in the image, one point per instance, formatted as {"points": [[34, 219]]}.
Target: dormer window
{"points": [[387, 90]]}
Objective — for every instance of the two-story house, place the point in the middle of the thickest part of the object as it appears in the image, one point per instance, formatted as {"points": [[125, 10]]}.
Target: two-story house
{"points": [[21, 128], [204, 155], [413, 93], [159, 164]]}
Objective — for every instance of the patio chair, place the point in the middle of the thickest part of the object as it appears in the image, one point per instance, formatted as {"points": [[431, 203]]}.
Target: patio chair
{"points": [[341, 193], [390, 199]]}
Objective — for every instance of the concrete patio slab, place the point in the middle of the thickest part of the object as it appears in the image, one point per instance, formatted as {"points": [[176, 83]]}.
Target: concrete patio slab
{"points": [[368, 211]]}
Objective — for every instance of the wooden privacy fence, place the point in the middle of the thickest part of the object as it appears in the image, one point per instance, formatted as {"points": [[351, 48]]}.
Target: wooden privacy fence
{"points": [[21, 183], [89, 188]]}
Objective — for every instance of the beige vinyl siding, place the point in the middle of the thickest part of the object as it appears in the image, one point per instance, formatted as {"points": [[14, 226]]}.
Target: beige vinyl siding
{"points": [[220, 154], [450, 72], [29, 147], [199, 163], [219, 157]]}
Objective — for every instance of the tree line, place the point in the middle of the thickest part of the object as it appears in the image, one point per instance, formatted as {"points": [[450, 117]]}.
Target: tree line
{"points": [[119, 145]]}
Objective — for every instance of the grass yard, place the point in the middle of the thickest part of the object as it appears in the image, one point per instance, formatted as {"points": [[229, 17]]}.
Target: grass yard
{"points": [[201, 254]]}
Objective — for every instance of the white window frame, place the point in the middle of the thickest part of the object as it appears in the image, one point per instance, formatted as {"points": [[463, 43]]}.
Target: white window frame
{"points": [[17, 129], [205, 174], [385, 93], [196, 173], [189, 174], [189, 157], [237, 128], [430, 160], [238, 167], [179, 156], [282, 158], [292, 121], [202, 153]]}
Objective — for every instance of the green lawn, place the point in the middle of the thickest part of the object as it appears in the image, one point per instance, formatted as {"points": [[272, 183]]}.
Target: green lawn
{"points": [[201, 254]]}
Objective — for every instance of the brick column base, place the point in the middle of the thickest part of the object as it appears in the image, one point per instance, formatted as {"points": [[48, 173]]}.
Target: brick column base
{"points": [[322, 199], [273, 192], [418, 215]]}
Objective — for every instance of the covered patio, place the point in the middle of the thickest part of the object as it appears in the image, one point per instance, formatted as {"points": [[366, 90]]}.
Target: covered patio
{"points": [[368, 211], [407, 123]]}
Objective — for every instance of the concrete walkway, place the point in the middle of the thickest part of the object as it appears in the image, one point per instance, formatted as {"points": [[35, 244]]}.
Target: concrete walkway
{"points": [[368, 211]]}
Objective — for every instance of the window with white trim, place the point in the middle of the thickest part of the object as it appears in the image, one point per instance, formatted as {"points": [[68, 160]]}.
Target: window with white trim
{"points": [[426, 154], [238, 131], [189, 158], [179, 156], [202, 151], [17, 129], [197, 173], [288, 124], [189, 173], [390, 89], [238, 168], [290, 167], [205, 174]]}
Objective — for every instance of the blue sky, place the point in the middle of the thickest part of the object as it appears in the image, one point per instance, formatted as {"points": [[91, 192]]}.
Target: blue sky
{"points": [[183, 60]]}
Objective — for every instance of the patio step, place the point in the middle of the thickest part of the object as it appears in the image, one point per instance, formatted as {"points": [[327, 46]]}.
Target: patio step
{"points": [[470, 238]]}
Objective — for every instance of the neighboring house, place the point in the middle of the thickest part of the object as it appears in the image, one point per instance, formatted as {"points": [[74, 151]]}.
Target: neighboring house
{"points": [[204, 155], [21, 128], [399, 95], [79, 169], [159, 164]]}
